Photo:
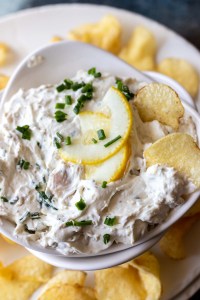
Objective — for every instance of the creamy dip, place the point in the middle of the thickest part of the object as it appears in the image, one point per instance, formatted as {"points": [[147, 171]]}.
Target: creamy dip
{"points": [[39, 190]]}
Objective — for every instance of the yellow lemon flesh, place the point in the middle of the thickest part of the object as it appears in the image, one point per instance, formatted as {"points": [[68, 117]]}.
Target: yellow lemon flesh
{"points": [[117, 125]]}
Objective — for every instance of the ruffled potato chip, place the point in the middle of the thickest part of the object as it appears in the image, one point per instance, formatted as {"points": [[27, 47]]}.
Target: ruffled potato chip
{"points": [[179, 151], [105, 34], [119, 283], [56, 39], [182, 71], [141, 49], [6, 274], [4, 50], [172, 243], [149, 272], [66, 277], [30, 268], [68, 292], [157, 101], [3, 81]]}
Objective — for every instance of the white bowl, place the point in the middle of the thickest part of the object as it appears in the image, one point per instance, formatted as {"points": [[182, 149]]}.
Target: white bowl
{"points": [[62, 60]]}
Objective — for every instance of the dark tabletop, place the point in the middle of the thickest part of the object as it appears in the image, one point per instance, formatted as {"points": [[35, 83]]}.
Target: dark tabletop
{"points": [[183, 16]]}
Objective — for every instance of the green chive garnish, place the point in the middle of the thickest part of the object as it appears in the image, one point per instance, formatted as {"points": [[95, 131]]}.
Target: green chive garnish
{"points": [[68, 84], [110, 221], [106, 238], [93, 72], [113, 141], [94, 141], [60, 116], [78, 223], [80, 204], [60, 105], [23, 164], [104, 184], [124, 89], [68, 100], [76, 85], [101, 134], [61, 88], [39, 145], [68, 140], [76, 109], [4, 199], [87, 88], [61, 137], [25, 130], [57, 143]]}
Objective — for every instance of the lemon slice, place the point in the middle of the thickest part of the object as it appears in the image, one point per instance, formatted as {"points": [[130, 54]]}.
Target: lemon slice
{"points": [[117, 127], [111, 169]]}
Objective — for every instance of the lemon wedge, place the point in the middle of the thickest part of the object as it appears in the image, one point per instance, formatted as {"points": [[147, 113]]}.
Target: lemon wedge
{"points": [[117, 127], [111, 169]]}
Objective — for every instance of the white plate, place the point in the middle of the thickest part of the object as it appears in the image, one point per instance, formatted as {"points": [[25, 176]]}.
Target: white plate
{"points": [[25, 31]]}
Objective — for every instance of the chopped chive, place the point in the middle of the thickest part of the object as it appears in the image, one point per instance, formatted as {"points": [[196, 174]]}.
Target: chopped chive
{"points": [[61, 137], [94, 141], [39, 145], [87, 88], [60, 116], [104, 184], [24, 217], [89, 95], [13, 201], [35, 215], [124, 89], [46, 200], [23, 164], [4, 199], [101, 134], [68, 84], [57, 143], [61, 88], [25, 130], [106, 238], [68, 141], [93, 72], [44, 179], [68, 100], [110, 221], [76, 109], [28, 230], [113, 141], [76, 85], [60, 105], [80, 204], [78, 223]]}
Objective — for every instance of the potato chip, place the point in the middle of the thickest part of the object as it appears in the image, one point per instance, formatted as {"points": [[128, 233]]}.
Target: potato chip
{"points": [[56, 39], [30, 268], [3, 81], [67, 277], [4, 272], [3, 53], [149, 272], [141, 49], [179, 151], [157, 101], [17, 289], [119, 283], [195, 209], [182, 71], [105, 34], [68, 292], [172, 243]]}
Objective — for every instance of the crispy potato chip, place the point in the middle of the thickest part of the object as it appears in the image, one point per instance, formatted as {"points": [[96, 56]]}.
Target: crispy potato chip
{"points": [[149, 272], [195, 209], [17, 289], [119, 283], [141, 49], [157, 101], [179, 151], [181, 71], [3, 81], [4, 50], [105, 34], [4, 272], [30, 268], [68, 292], [8, 240], [172, 243], [66, 277], [56, 39]]}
